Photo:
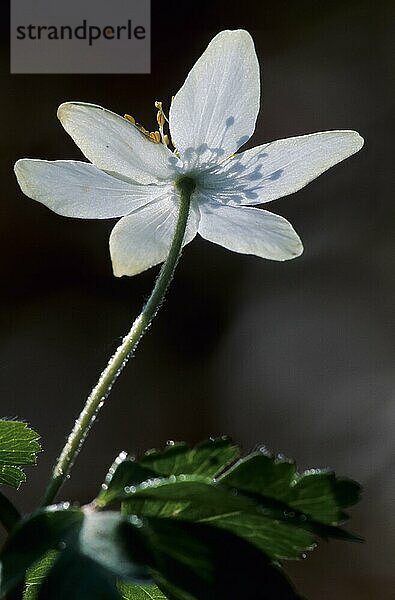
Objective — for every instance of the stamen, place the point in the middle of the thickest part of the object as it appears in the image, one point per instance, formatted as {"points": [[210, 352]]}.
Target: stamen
{"points": [[161, 120], [153, 136]]}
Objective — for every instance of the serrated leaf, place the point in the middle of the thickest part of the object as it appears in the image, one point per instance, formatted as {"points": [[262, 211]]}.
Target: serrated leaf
{"points": [[294, 508], [140, 592], [125, 472], [102, 537], [199, 537], [318, 494], [187, 558], [277, 539], [193, 499], [187, 496], [207, 459], [48, 529], [36, 574], [327, 532], [107, 538], [18, 447], [323, 495], [283, 513], [193, 561], [77, 576], [172, 592], [201, 562]]}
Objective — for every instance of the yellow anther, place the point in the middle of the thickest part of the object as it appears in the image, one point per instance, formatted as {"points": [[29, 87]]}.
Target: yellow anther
{"points": [[160, 117], [155, 136]]}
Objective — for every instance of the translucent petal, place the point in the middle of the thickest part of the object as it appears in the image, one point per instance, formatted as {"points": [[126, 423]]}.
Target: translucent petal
{"points": [[214, 112], [143, 239], [249, 231], [113, 144], [77, 189], [278, 168]]}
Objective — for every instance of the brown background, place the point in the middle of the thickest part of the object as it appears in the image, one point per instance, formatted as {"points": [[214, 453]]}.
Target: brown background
{"points": [[298, 356]]}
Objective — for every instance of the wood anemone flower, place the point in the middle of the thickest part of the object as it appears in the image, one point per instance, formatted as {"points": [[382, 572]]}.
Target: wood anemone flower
{"points": [[135, 174]]}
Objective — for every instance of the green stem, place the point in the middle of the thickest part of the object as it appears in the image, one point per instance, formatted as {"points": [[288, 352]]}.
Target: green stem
{"points": [[129, 343]]}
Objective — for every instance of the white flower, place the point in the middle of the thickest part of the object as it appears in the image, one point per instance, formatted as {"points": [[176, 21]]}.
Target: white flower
{"points": [[133, 177]]}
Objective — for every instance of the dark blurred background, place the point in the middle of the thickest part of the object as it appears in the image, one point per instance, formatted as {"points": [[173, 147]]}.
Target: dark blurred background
{"points": [[298, 356]]}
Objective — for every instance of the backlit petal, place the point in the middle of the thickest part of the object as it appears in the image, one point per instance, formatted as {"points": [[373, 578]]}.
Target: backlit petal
{"points": [[113, 144], [279, 168], [143, 239], [214, 112], [249, 231], [77, 189]]}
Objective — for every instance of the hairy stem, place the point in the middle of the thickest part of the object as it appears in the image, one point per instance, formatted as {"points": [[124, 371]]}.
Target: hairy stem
{"points": [[129, 343]]}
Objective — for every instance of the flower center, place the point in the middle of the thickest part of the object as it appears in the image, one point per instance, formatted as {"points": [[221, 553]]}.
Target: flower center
{"points": [[185, 184]]}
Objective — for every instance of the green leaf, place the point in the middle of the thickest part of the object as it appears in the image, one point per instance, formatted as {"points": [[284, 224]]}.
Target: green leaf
{"points": [[196, 537], [317, 494], [93, 549], [36, 574], [323, 495], [18, 446], [289, 509], [125, 472], [193, 499], [262, 499], [9, 515], [173, 592], [48, 529], [78, 577], [185, 496], [128, 591], [103, 537], [186, 554], [107, 538], [207, 459], [279, 540], [196, 561], [140, 592], [99, 540]]}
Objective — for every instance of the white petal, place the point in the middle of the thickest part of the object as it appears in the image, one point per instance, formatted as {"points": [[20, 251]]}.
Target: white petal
{"points": [[113, 144], [279, 168], [214, 112], [80, 190], [143, 239], [249, 231]]}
